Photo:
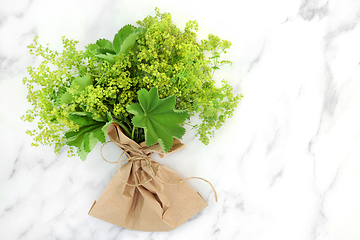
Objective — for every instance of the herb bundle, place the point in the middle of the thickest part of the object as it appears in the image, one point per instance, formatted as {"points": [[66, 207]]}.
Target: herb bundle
{"points": [[150, 79]]}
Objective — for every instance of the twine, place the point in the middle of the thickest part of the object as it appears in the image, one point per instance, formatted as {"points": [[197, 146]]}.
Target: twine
{"points": [[138, 155]]}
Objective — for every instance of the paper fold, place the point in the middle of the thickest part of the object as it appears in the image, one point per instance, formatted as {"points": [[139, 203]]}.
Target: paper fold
{"points": [[151, 205]]}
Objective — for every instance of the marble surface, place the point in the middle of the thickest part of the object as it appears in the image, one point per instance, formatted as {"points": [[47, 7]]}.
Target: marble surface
{"points": [[286, 166]]}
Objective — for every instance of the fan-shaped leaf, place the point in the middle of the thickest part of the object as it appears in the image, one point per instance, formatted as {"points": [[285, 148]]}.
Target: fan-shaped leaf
{"points": [[121, 35], [158, 117], [90, 132], [104, 43]]}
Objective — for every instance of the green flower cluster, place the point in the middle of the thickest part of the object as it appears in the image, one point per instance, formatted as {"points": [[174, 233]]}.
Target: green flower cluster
{"points": [[47, 81], [162, 56]]}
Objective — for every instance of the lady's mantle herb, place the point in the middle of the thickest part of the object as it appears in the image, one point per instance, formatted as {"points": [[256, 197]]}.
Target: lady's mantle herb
{"points": [[99, 83]]}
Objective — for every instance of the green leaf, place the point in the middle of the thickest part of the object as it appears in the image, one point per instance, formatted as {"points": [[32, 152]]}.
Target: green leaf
{"points": [[81, 82], [99, 134], [107, 57], [124, 39], [75, 138], [158, 117], [105, 51], [82, 120], [90, 132], [66, 98], [92, 47], [104, 43], [87, 142], [121, 35], [77, 85], [58, 96], [81, 114], [129, 42], [108, 116], [82, 153], [87, 145]]}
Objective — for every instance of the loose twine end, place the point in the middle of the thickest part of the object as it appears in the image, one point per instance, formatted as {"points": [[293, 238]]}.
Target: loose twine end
{"points": [[139, 155]]}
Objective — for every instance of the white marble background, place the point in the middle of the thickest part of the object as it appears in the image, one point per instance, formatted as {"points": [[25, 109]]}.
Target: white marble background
{"points": [[286, 166]]}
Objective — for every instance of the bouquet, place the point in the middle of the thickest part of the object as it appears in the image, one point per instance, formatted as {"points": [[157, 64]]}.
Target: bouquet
{"points": [[139, 89]]}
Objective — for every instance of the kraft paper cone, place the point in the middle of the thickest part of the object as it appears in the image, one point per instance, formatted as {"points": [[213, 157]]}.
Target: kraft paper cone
{"points": [[137, 199]]}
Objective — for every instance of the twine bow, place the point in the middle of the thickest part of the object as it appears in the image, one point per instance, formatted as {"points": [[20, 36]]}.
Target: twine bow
{"points": [[138, 155]]}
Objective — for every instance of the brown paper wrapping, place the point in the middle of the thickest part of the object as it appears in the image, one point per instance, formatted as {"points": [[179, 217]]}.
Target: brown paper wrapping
{"points": [[155, 203]]}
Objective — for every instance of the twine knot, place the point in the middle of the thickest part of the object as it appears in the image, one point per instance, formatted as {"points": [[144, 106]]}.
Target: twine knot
{"points": [[134, 154]]}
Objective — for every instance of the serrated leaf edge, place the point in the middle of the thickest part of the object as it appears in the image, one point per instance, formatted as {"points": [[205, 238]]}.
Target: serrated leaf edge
{"points": [[105, 40], [122, 49]]}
